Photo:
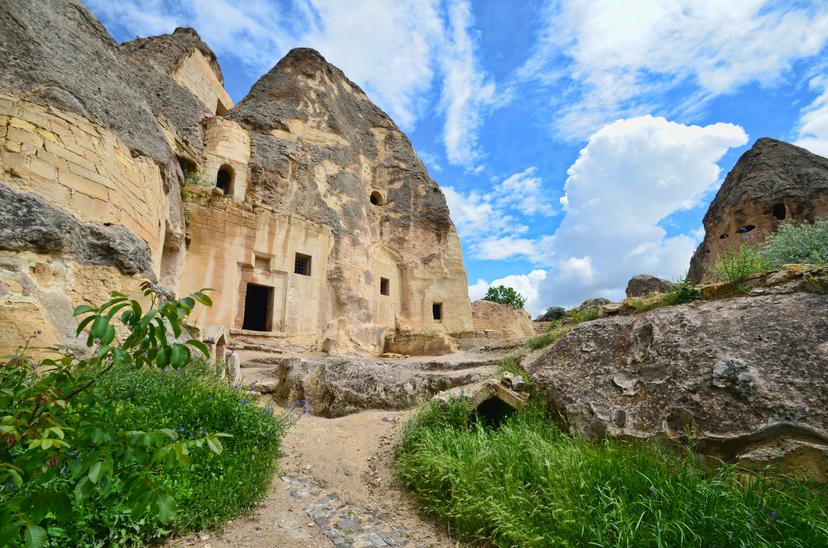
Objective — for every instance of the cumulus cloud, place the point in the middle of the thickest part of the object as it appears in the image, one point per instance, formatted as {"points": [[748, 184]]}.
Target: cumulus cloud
{"points": [[528, 285], [813, 125], [629, 177], [396, 51], [490, 223], [619, 56]]}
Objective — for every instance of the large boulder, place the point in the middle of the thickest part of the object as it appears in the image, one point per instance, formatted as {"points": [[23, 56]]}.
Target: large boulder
{"points": [[746, 377], [645, 284], [771, 183], [513, 323]]}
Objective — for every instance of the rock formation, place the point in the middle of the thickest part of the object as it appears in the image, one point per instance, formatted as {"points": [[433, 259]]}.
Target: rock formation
{"points": [[771, 183], [501, 320], [644, 284], [304, 207], [746, 377]]}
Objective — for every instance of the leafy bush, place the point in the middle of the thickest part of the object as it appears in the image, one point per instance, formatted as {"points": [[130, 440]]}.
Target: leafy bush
{"points": [[803, 243], [505, 295], [528, 484], [683, 292], [552, 313], [585, 314], [735, 265], [76, 467]]}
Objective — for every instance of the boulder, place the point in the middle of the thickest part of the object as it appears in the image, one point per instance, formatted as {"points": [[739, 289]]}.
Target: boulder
{"points": [[747, 376], [512, 323], [645, 284]]}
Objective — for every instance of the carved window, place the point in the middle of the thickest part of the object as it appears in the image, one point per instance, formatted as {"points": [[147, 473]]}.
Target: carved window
{"points": [[377, 199], [224, 179], [385, 286], [437, 312], [302, 265]]}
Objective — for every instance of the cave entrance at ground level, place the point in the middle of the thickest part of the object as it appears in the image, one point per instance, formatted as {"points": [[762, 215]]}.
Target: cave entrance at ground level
{"points": [[258, 307]]}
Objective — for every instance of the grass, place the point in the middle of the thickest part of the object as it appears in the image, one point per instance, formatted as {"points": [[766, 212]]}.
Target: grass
{"points": [[683, 292], [545, 339], [512, 365], [528, 484], [208, 491]]}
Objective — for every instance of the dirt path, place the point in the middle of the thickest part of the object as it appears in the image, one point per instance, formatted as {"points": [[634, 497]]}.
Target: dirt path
{"points": [[334, 487]]}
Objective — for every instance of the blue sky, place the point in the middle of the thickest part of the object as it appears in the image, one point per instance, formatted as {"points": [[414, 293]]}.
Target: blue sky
{"points": [[578, 143]]}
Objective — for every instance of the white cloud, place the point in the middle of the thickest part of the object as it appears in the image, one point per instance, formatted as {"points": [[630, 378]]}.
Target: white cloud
{"points": [[813, 125], [528, 285], [396, 51], [466, 89], [490, 223], [630, 176], [612, 59]]}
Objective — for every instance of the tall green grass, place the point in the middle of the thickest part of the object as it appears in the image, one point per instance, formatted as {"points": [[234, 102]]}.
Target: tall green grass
{"points": [[528, 484]]}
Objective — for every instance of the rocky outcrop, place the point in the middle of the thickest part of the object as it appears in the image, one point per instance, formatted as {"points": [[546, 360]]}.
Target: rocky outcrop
{"points": [[772, 182], [745, 377], [645, 284], [508, 322]]}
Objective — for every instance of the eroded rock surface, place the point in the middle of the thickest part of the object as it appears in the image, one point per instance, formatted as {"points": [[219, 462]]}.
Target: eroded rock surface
{"points": [[508, 322], [645, 284], [747, 375], [772, 182]]}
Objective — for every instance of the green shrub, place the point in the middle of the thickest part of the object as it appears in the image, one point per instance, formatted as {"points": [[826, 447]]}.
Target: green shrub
{"points": [[586, 314], [78, 466], [683, 292], [552, 314], [549, 337], [505, 295], [735, 265], [802, 243], [528, 484]]}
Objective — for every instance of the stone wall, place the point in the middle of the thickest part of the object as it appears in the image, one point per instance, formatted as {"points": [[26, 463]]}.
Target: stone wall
{"points": [[195, 73]]}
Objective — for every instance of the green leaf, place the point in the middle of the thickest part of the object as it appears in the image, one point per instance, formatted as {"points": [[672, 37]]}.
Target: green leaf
{"points": [[83, 309], [163, 356], [83, 324], [188, 303], [215, 445], [109, 336], [83, 488], [35, 536], [166, 508], [180, 355], [202, 298], [200, 345], [99, 327], [96, 471]]}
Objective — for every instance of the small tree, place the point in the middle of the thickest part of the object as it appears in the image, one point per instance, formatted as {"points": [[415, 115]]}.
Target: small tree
{"points": [[505, 295], [552, 314]]}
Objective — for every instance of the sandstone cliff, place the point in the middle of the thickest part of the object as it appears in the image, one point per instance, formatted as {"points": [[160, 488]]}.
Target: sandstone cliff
{"points": [[304, 207], [772, 182]]}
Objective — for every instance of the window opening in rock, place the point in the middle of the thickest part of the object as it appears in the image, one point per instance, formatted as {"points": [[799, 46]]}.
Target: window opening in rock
{"points": [[745, 229], [437, 311], [724, 237], [258, 304], [224, 179], [385, 286], [780, 212], [302, 265], [262, 263], [220, 109], [186, 165], [376, 198]]}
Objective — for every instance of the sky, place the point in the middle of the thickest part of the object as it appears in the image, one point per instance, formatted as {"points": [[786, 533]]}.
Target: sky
{"points": [[578, 143]]}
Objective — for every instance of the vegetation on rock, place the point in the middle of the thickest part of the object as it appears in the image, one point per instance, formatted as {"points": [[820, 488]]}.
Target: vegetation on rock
{"points": [[552, 313], [505, 295], [123, 444], [529, 484], [805, 243]]}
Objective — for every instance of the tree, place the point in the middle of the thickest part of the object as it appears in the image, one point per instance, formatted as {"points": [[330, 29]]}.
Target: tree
{"points": [[505, 295], [552, 313]]}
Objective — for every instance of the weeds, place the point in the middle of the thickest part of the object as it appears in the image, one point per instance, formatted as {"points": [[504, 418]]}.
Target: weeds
{"points": [[803, 243], [735, 266], [527, 483]]}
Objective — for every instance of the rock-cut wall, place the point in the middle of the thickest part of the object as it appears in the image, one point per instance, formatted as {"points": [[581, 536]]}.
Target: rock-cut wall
{"points": [[304, 206]]}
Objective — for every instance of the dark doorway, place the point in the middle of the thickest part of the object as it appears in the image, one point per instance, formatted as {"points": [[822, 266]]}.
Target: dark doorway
{"points": [[780, 212], [224, 179], [258, 303], [437, 311]]}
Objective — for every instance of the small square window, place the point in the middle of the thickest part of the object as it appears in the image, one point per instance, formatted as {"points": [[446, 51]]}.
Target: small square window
{"points": [[437, 311], [385, 286], [303, 264]]}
